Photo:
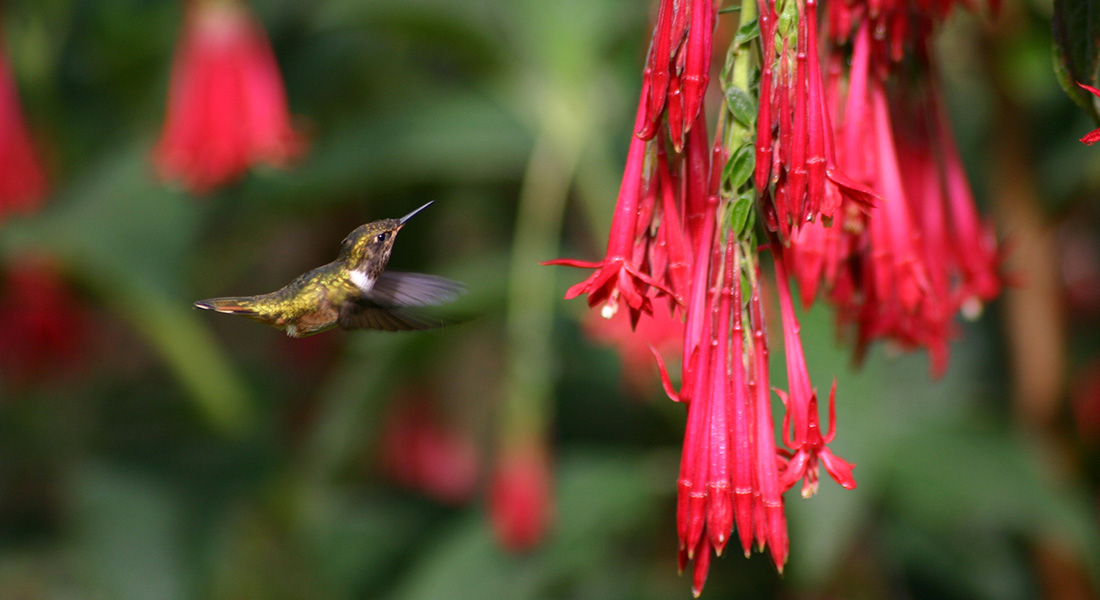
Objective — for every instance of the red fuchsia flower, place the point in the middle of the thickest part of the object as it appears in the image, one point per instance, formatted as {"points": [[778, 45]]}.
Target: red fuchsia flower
{"points": [[42, 324], [424, 453], [640, 256], [880, 221], [22, 180], [801, 429], [769, 518], [1093, 136], [520, 497], [661, 199], [672, 236], [960, 249], [227, 108], [619, 275]]}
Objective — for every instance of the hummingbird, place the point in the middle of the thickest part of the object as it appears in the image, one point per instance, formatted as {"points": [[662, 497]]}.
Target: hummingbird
{"points": [[354, 291]]}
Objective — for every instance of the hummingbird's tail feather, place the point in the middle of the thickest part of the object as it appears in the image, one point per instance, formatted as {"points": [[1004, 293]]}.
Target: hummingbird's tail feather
{"points": [[233, 305]]}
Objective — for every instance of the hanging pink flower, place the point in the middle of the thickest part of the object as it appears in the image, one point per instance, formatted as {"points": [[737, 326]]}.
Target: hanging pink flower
{"points": [[520, 497], [729, 468], [678, 68], [796, 170], [635, 261], [42, 324], [22, 180], [801, 427], [422, 451], [227, 109]]}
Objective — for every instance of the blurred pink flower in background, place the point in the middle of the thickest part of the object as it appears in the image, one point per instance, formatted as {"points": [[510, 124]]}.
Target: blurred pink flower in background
{"points": [[422, 451], [662, 331], [22, 180], [1084, 396], [521, 497], [227, 108], [42, 324]]}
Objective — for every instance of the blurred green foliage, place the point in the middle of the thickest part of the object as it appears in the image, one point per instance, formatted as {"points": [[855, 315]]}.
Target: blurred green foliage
{"points": [[189, 455]]}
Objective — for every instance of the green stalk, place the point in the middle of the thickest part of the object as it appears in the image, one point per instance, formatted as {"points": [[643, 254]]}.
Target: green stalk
{"points": [[739, 77], [528, 384]]}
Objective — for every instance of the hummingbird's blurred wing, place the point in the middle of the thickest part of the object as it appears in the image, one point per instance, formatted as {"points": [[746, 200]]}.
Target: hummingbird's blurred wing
{"points": [[362, 313], [386, 305], [413, 289]]}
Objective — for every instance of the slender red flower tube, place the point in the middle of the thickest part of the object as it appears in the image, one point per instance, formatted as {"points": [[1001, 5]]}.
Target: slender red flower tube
{"points": [[801, 430], [619, 274], [656, 75], [769, 517], [697, 49], [796, 173]]}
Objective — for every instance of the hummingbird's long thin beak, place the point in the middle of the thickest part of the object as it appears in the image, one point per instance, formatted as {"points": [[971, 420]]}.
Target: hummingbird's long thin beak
{"points": [[410, 215]]}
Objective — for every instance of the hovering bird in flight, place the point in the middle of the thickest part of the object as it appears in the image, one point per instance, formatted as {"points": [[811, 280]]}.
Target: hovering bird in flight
{"points": [[354, 291]]}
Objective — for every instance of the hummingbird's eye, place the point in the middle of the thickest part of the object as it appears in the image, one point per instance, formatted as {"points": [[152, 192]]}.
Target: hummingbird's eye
{"points": [[382, 237]]}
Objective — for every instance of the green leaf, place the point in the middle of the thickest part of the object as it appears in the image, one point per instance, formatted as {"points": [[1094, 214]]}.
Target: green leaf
{"points": [[1076, 29], [742, 106], [740, 211], [738, 168], [746, 33]]}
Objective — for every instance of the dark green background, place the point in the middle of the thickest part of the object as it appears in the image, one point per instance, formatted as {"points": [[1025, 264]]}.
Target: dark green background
{"points": [[191, 455]]}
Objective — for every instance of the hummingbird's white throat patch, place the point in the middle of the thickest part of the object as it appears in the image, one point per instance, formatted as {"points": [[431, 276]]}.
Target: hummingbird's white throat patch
{"points": [[361, 280]]}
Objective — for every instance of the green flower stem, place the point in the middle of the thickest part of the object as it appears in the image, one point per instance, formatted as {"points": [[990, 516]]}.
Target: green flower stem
{"points": [[739, 76], [528, 384]]}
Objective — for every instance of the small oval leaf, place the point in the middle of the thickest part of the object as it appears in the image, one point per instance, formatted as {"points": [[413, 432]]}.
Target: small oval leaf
{"points": [[741, 106], [746, 33], [739, 168], [740, 213]]}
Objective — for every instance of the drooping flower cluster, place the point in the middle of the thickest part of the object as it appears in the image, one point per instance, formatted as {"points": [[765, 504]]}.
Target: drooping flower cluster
{"points": [[227, 108], [674, 238], [796, 170], [877, 216], [903, 269], [678, 69]]}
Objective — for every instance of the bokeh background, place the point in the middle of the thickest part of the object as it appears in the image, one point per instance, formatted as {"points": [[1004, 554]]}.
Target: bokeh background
{"points": [[150, 451]]}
